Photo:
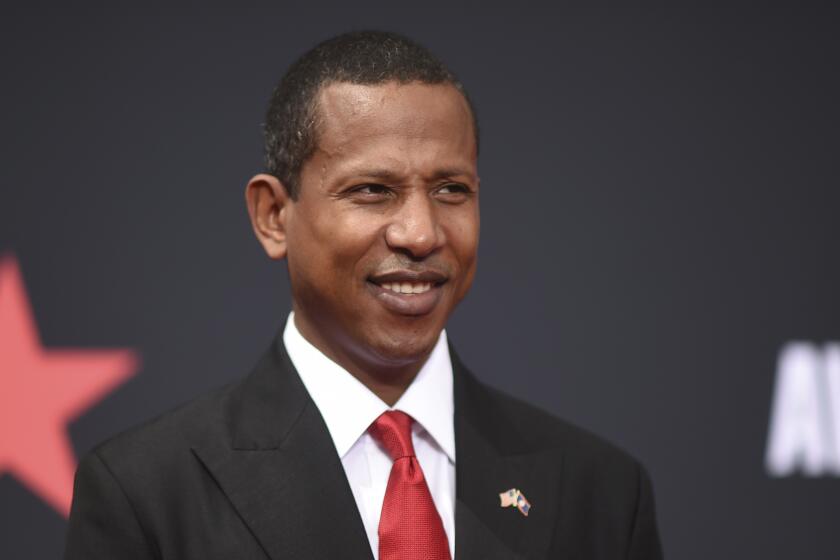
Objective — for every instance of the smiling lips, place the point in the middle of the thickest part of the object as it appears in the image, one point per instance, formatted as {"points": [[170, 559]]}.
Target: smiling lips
{"points": [[408, 287], [408, 292]]}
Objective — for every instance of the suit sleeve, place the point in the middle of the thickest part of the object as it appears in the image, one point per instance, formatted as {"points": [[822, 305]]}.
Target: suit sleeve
{"points": [[103, 524], [644, 540]]}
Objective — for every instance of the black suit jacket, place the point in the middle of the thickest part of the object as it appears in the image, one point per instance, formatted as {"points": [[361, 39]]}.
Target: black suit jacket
{"points": [[250, 472]]}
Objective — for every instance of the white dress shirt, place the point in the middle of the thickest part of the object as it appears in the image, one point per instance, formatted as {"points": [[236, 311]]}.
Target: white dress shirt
{"points": [[348, 408]]}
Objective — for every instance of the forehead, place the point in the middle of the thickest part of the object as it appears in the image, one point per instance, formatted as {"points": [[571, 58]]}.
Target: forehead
{"points": [[349, 113]]}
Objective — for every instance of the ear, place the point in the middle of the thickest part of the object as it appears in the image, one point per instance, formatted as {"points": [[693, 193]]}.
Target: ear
{"points": [[269, 205]]}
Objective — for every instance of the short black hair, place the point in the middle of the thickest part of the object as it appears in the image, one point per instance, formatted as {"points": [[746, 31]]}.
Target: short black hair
{"points": [[359, 57]]}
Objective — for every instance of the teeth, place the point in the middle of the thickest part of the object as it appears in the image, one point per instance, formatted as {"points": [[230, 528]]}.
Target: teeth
{"points": [[408, 287]]}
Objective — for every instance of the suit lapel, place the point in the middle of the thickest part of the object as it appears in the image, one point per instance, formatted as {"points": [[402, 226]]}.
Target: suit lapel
{"points": [[493, 455], [281, 471]]}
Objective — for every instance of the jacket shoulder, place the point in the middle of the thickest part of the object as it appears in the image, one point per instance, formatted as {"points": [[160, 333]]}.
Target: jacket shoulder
{"points": [[159, 444], [591, 456]]}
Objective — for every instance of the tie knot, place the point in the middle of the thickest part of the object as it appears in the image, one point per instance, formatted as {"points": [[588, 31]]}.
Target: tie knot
{"points": [[393, 431]]}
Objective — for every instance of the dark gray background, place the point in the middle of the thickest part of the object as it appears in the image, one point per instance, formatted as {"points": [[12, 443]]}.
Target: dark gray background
{"points": [[659, 211]]}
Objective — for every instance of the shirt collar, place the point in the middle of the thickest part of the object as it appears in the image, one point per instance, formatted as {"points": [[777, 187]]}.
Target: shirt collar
{"points": [[349, 408]]}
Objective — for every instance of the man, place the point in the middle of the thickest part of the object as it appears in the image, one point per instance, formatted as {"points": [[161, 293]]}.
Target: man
{"points": [[360, 434]]}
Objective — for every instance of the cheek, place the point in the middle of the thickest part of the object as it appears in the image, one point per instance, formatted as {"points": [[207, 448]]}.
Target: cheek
{"points": [[463, 237], [333, 245], [310, 259]]}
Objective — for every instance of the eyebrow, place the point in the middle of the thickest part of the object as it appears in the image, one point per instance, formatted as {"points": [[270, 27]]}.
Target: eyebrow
{"points": [[388, 175]]}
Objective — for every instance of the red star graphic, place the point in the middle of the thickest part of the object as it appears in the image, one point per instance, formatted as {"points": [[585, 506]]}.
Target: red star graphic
{"points": [[41, 391]]}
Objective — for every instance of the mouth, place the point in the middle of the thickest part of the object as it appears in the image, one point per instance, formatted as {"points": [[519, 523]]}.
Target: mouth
{"points": [[408, 292], [407, 288]]}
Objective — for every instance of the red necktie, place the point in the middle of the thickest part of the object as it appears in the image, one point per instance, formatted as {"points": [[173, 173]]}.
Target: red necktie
{"points": [[409, 527]]}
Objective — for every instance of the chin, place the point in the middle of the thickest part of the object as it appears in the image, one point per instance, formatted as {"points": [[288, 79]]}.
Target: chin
{"points": [[399, 350]]}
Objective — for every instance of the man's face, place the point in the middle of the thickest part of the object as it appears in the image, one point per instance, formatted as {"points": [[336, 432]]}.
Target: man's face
{"points": [[382, 240]]}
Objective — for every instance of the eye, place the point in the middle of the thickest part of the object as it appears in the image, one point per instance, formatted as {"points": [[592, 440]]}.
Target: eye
{"points": [[369, 192], [371, 189], [453, 192], [451, 188]]}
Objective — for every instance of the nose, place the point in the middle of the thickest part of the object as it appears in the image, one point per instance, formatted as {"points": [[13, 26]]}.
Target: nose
{"points": [[415, 229]]}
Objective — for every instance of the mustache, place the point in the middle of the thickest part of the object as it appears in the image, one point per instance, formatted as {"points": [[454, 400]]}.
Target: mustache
{"points": [[400, 263]]}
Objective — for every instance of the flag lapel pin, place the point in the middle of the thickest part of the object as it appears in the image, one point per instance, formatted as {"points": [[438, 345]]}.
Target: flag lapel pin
{"points": [[515, 498]]}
